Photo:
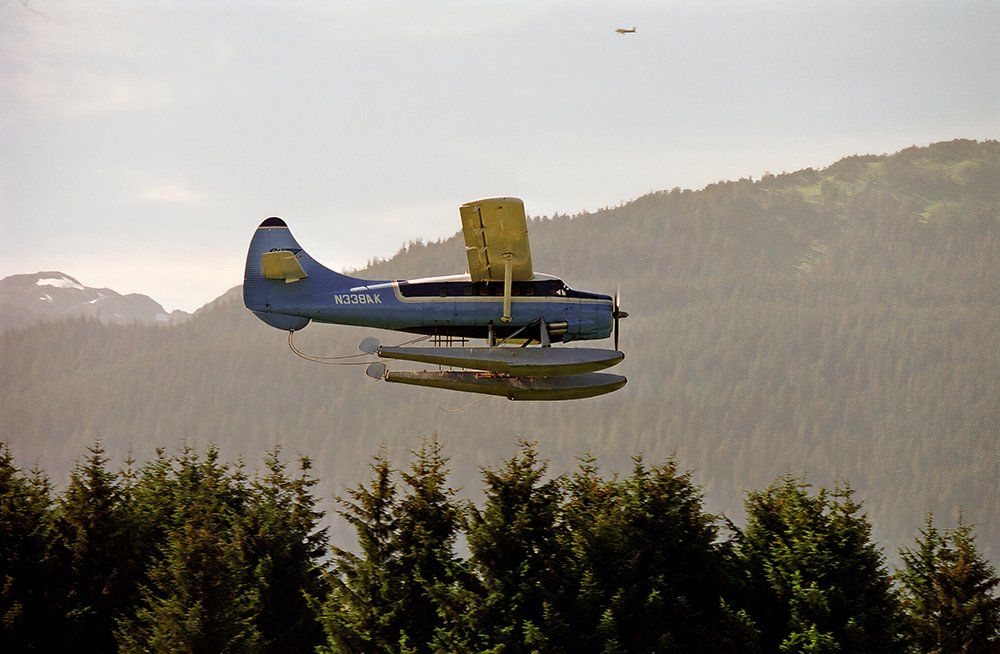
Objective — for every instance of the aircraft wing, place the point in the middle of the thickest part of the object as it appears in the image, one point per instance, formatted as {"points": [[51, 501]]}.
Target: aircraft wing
{"points": [[496, 228]]}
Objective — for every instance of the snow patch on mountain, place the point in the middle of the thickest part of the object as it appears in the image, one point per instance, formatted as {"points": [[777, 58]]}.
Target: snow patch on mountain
{"points": [[59, 282]]}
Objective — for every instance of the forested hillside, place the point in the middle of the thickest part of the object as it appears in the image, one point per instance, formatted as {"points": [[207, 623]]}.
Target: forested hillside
{"points": [[840, 323]]}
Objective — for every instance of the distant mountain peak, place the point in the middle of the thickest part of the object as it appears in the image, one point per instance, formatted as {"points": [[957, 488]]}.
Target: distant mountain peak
{"points": [[53, 295]]}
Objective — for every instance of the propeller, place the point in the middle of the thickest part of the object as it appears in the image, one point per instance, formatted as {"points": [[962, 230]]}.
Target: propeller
{"points": [[617, 313]]}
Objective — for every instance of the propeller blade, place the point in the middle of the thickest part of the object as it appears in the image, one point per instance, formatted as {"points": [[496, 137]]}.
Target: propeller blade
{"points": [[617, 312]]}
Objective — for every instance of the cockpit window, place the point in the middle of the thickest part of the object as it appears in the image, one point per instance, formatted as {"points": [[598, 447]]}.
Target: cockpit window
{"points": [[538, 288]]}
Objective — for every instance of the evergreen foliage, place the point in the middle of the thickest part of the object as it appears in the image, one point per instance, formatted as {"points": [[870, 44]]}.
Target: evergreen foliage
{"points": [[391, 597], [357, 616], [31, 581], [200, 597], [104, 567], [184, 554], [815, 581], [424, 565], [582, 562], [520, 555], [285, 543], [949, 593], [653, 578]]}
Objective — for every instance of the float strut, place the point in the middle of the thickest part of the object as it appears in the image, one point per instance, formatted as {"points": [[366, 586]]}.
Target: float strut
{"points": [[508, 273]]}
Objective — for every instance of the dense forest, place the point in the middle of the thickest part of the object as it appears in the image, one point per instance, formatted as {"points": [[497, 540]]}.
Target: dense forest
{"points": [[187, 553], [834, 324]]}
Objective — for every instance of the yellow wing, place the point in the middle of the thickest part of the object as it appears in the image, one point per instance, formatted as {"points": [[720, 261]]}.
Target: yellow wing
{"points": [[496, 228]]}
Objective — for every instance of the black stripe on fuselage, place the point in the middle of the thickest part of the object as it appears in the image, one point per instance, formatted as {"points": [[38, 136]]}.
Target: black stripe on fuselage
{"points": [[542, 288]]}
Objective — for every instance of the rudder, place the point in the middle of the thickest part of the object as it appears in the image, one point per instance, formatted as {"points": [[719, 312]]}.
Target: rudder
{"points": [[274, 288]]}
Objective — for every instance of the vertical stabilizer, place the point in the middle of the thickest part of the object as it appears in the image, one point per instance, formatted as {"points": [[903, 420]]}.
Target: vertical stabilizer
{"points": [[280, 277]]}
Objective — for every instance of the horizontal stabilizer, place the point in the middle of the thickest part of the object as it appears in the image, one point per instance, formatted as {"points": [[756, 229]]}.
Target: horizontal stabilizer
{"points": [[513, 361], [569, 387], [282, 265]]}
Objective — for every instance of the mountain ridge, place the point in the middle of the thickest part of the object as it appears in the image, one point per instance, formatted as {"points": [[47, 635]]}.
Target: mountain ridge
{"points": [[841, 323], [31, 298]]}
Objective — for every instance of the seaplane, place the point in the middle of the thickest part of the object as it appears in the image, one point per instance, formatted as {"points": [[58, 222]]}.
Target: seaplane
{"points": [[522, 315], [625, 30]]}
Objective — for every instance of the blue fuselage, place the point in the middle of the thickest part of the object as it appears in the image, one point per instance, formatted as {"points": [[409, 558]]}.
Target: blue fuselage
{"points": [[447, 306], [454, 306]]}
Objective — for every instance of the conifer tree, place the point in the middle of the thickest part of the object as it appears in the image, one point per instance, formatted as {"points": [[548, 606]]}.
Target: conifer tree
{"points": [[356, 616], [103, 568], [652, 578], [424, 566], [522, 560], [149, 497], [284, 546], [949, 593], [592, 511], [815, 582], [200, 597], [30, 572]]}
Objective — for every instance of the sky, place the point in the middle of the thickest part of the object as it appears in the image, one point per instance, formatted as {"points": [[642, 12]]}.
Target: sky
{"points": [[142, 142]]}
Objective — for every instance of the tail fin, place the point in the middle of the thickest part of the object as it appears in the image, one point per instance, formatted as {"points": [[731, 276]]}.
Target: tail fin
{"points": [[280, 278]]}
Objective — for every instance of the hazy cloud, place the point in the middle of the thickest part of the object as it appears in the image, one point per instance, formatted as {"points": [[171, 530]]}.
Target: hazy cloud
{"points": [[367, 124], [63, 92], [170, 193]]}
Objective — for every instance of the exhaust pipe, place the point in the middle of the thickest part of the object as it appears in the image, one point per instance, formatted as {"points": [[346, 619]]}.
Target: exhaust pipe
{"points": [[558, 328]]}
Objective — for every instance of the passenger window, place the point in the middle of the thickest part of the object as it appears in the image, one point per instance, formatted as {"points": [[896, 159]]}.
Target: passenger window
{"points": [[443, 291]]}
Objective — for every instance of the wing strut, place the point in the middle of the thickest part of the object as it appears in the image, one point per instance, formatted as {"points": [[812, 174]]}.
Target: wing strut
{"points": [[508, 270]]}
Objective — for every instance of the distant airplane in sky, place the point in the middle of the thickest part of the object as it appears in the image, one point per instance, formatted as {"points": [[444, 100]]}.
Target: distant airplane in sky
{"points": [[625, 30]]}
